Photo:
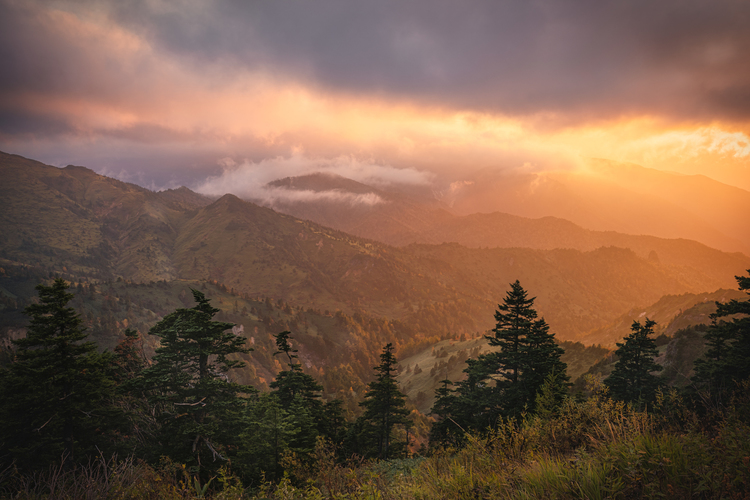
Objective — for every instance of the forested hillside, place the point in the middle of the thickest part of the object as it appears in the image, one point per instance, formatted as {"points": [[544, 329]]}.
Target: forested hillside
{"points": [[113, 229], [240, 342]]}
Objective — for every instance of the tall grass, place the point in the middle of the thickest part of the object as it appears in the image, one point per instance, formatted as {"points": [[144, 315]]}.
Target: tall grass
{"points": [[594, 449]]}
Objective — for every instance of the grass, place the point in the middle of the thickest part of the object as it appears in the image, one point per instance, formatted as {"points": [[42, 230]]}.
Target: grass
{"points": [[621, 454]]}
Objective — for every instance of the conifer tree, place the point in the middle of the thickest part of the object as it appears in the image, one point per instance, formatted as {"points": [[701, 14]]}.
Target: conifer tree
{"points": [[443, 429], [727, 358], [505, 383], [267, 432], [199, 409], [56, 396], [514, 322], [528, 353], [633, 379], [293, 383], [385, 407], [299, 395]]}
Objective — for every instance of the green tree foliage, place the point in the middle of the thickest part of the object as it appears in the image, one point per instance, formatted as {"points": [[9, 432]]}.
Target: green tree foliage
{"points": [[505, 383], [56, 396], [198, 408], [633, 380], [385, 407], [441, 430], [293, 383], [299, 395], [727, 358], [266, 435], [528, 353]]}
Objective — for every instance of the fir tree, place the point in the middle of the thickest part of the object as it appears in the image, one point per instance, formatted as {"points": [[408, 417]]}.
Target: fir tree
{"points": [[505, 383], [198, 408], [299, 395], [56, 394], [444, 428], [266, 434], [385, 407], [514, 322], [727, 359], [293, 383], [528, 353], [633, 379]]}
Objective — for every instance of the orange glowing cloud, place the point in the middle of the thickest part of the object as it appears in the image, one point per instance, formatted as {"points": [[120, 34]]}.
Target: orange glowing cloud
{"points": [[122, 84]]}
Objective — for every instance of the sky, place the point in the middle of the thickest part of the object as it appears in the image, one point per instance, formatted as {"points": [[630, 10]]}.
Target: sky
{"points": [[228, 95]]}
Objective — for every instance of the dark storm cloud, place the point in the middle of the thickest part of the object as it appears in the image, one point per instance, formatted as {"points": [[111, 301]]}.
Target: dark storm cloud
{"points": [[580, 59], [158, 89], [681, 58]]}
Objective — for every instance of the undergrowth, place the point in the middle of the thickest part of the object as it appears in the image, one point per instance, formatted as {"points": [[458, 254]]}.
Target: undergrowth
{"points": [[592, 449]]}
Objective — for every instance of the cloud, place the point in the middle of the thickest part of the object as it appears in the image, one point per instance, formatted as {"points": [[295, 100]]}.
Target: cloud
{"points": [[272, 196], [585, 58], [693, 143], [566, 60], [158, 91], [250, 179]]}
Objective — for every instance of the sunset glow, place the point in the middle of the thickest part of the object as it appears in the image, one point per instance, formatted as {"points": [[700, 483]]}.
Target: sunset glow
{"points": [[92, 83]]}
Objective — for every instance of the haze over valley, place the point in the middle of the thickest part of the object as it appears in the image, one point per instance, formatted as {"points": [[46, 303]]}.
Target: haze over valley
{"points": [[409, 261], [374, 249]]}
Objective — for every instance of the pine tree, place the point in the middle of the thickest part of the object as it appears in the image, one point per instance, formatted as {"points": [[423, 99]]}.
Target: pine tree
{"points": [[633, 379], [299, 395], [443, 430], [293, 383], [56, 396], [514, 322], [385, 407], [505, 383], [198, 408], [727, 359], [266, 434]]}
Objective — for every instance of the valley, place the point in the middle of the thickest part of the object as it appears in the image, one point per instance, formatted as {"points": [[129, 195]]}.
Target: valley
{"points": [[341, 295]]}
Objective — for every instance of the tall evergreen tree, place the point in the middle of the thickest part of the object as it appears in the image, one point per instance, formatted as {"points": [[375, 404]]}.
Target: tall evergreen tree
{"points": [[528, 353], [633, 380], [514, 322], [727, 359], [505, 383], [56, 396], [293, 382], [443, 431], [267, 432], [199, 409], [299, 395], [385, 407]]}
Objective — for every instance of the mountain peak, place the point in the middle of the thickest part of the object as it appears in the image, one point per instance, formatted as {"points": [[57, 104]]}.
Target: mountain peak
{"points": [[322, 181]]}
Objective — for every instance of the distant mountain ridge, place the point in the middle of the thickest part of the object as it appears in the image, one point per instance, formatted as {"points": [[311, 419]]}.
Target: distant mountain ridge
{"points": [[612, 196], [88, 225], [506, 209], [401, 221]]}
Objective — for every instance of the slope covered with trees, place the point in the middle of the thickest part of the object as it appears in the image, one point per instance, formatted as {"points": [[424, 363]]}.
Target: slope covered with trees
{"points": [[682, 445], [114, 229]]}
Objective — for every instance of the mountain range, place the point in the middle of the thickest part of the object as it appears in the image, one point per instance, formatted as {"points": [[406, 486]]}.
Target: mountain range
{"points": [[95, 226]]}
